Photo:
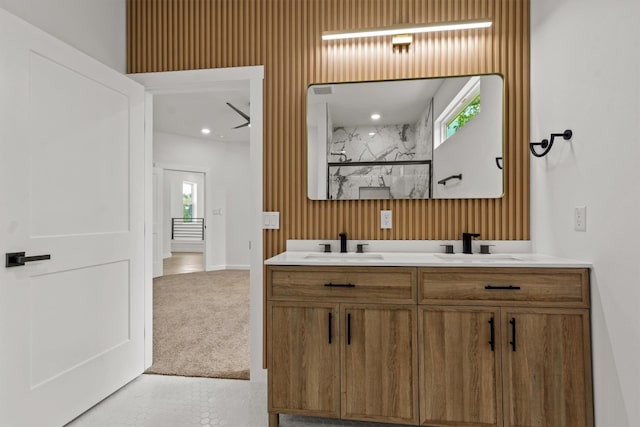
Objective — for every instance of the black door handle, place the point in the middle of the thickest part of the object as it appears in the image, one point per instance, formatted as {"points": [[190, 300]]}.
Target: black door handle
{"points": [[16, 259], [330, 331], [348, 328]]}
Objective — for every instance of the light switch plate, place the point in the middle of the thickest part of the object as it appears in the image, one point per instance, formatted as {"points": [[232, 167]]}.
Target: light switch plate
{"points": [[271, 220], [386, 219]]}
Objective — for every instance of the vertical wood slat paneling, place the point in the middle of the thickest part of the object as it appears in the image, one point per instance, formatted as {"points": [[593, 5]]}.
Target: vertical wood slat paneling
{"points": [[284, 36]]}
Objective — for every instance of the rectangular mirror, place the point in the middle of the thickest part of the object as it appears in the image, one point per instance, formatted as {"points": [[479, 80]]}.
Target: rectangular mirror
{"points": [[406, 139]]}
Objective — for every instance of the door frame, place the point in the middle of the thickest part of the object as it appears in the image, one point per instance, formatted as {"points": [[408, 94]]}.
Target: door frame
{"points": [[190, 81], [158, 220]]}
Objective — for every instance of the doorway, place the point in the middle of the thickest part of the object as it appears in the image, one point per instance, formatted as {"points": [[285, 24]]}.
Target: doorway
{"points": [[183, 221], [201, 315], [211, 80]]}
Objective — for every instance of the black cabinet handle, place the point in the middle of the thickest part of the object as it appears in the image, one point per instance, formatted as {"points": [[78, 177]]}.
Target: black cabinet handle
{"points": [[513, 333], [330, 332], [348, 328], [507, 288], [340, 285], [492, 329], [17, 259]]}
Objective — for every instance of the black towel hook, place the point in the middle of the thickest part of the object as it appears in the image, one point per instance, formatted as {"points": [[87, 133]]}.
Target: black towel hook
{"points": [[546, 144]]}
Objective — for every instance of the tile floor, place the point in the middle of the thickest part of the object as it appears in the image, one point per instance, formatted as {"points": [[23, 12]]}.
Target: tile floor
{"points": [[169, 401]]}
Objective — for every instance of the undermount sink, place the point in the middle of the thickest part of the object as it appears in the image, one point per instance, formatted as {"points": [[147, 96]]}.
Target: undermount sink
{"points": [[344, 257], [477, 257]]}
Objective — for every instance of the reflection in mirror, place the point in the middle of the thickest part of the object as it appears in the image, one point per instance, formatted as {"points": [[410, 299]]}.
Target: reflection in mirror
{"points": [[398, 139]]}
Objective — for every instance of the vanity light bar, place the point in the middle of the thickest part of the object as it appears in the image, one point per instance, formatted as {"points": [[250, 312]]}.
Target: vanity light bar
{"points": [[406, 29]]}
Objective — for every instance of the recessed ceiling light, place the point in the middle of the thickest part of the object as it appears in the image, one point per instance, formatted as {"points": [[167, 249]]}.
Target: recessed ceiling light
{"points": [[375, 116], [372, 133], [205, 131]]}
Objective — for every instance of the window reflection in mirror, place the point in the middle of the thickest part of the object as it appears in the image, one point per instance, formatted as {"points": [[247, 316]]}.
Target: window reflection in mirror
{"points": [[398, 139]]}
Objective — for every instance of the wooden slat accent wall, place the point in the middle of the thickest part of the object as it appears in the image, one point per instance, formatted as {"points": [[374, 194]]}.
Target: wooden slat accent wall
{"points": [[285, 37]]}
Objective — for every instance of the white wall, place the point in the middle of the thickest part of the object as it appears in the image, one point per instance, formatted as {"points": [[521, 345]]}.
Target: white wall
{"points": [[319, 139], [472, 150], [585, 76], [227, 177], [237, 184], [96, 27]]}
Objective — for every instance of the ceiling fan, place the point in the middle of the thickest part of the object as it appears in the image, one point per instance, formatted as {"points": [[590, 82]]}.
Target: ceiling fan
{"points": [[245, 116]]}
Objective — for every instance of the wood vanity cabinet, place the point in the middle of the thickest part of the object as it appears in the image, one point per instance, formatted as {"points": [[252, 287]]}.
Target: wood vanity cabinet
{"points": [[460, 372], [504, 347], [380, 363], [304, 373], [433, 346], [342, 342]]}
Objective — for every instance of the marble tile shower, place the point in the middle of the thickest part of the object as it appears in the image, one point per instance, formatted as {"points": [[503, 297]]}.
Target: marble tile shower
{"points": [[389, 161]]}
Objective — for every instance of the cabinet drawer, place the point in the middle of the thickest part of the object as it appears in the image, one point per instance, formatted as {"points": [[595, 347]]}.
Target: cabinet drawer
{"points": [[373, 284], [548, 287]]}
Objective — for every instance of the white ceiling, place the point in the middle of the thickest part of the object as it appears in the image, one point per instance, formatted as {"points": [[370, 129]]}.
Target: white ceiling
{"points": [[397, 101], [187, 113]]}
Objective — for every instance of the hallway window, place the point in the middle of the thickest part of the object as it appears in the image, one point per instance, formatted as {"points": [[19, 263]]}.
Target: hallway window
{"points": [[188, 200], [467, 113], [460, 111]]}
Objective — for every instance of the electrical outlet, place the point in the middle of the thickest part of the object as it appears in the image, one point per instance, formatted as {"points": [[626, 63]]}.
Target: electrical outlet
{"points": [[386, 219], [580, 218]]}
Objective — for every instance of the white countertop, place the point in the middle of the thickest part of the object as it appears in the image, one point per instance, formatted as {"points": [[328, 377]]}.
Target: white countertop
{"points": [[423, 259]]}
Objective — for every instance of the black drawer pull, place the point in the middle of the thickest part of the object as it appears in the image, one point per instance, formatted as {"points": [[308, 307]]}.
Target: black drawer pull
{"points": [[492, 339], [340, 285], [504, 288]]}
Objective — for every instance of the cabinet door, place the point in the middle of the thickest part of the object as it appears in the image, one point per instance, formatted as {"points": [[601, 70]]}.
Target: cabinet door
{"points": [[459, 366], [547, 368], [304, 355], [379, 363]]}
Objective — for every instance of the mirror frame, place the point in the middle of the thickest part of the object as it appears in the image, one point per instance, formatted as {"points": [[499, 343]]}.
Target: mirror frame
{"points": [[433, 191]]}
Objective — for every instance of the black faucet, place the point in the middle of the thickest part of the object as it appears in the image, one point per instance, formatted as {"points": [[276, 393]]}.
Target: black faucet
{"points": [[466, 242], [343, 243]]}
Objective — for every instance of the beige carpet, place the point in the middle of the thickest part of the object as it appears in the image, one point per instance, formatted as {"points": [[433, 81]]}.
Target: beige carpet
{"points": [[201, 324]]}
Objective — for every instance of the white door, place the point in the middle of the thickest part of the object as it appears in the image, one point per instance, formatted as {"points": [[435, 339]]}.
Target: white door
{"points": [[72, 186], [158, 206]]}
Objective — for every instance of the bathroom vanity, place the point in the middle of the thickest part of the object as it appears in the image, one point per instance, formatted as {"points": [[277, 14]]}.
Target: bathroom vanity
{"points": [[422, 339]]}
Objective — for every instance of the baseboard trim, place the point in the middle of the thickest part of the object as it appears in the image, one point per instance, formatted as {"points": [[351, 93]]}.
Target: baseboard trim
{"points": [[238, 267], [228, 267]]}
